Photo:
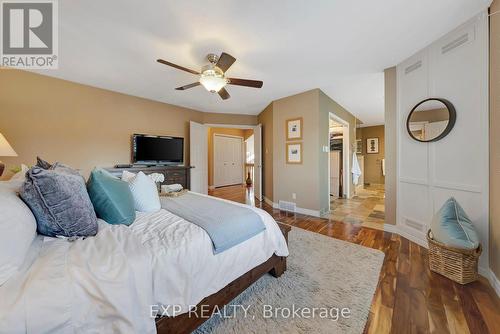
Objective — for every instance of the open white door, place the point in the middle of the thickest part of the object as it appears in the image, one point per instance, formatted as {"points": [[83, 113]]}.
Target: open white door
{"points": [[257, 184], [198, 152]]}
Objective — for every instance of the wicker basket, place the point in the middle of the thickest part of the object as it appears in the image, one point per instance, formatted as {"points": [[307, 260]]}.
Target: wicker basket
{"points": [[459, 265]]}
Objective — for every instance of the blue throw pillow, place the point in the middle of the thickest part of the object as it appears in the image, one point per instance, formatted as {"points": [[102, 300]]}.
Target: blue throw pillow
{"points": [[111, 198], [59, 201], [452, 226]]}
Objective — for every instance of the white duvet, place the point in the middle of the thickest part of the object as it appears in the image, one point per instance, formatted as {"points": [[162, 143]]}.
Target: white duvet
{"points": [[109, 283]]}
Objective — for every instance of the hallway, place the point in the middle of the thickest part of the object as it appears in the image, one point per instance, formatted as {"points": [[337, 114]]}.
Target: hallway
{"points": [[366, 208]]}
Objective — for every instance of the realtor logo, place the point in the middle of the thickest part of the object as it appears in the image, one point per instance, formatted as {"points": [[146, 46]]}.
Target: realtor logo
{"points": [[29, 34]]}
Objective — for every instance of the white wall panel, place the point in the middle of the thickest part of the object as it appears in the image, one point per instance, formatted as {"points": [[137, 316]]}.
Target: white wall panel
{"points": [[455, 68], [415, 204], [414, 157]]}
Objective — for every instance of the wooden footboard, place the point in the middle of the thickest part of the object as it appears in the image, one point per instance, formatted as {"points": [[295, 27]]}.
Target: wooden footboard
{"points": [[188, 322]]}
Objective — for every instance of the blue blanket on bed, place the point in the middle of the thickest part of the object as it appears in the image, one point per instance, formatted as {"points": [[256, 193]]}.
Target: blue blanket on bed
{"points": [[227, 224]]}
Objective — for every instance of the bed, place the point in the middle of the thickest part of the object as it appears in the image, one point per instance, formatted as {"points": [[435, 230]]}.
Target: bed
{"points": [[120, 279]]}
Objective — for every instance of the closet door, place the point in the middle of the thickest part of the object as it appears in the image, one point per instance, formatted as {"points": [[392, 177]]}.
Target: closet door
{"points": [[228, 161], [237, 160], [220, 161], [231, 147]]}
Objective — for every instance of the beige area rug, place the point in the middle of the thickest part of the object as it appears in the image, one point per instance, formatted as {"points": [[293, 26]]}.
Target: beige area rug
{"points": [[323, 273]]}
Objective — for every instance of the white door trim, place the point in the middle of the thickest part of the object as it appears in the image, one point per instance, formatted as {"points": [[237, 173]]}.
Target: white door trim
{"points": [[230, 126], [225, 135], [346, 153]]}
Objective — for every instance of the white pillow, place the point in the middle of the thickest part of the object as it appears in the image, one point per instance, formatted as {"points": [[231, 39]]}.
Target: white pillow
{"points": [[17, 229], [145, 193], [127, 176], [21, 175]]}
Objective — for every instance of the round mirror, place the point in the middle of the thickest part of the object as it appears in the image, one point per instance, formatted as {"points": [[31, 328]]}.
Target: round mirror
{"points": [[431, 120]]}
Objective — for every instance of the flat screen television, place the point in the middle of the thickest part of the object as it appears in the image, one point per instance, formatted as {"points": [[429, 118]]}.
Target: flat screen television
{"points": [[162, 150]]}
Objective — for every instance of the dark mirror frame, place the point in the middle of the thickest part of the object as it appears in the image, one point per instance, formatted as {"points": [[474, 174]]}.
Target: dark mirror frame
{"points": [[451, 121]]}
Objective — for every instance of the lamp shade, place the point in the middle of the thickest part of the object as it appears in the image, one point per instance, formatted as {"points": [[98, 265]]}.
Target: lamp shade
{"points": [[5, 149]]}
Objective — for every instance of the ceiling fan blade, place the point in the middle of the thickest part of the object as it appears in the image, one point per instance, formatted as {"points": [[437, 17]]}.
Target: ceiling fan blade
{"points": [[224, 94], [225, 61], [164, 62], [245, 82], [194, 84]]}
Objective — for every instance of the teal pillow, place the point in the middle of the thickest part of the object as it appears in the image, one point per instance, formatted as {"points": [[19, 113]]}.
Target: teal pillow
{"points": [[111, 197], [452, 227]]}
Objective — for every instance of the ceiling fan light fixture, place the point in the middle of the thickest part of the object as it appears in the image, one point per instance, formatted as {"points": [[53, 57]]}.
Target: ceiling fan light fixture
{"points": [[213, 79], [213, 75]]}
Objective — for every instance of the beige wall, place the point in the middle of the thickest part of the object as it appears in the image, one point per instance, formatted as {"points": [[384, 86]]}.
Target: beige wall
{"points": [[373, 161], [233, 119], [309, 180], [301, 179], [390, 146], [266, 119], [84, 126], [247, 133], [495, 139], [221, 131]]}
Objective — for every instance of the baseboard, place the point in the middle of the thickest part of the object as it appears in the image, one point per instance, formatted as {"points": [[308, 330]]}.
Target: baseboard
{"points": [[268, 201], [391, 228], [314, 213], [494, 281], [401, 232], [308, 212]]}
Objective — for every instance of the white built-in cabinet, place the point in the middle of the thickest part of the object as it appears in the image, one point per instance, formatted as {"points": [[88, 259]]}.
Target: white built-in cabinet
{"points": [[335, 173], [455, 68]]}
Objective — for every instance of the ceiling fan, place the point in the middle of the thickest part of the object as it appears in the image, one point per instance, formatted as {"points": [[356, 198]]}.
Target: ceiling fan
{"points": [[213, 75]]}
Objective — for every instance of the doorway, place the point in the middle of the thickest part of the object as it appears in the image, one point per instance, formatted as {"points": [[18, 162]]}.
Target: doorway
{"points": [[223, 155], [338, 160], [336, 157], [366, 207]]}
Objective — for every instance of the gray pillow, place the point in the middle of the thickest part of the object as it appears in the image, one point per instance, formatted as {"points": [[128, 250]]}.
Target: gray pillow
{"points": [[42, 163], [59, 200]]}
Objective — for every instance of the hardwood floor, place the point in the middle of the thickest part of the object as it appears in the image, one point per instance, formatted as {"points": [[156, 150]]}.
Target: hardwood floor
{"points": [[409, 298]]}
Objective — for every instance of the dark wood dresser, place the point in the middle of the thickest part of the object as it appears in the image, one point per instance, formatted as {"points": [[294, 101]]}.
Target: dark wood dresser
{"points": [[173, 174]]}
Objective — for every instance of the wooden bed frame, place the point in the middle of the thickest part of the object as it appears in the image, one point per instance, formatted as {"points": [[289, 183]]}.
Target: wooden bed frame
{"points": [[185, 323]]}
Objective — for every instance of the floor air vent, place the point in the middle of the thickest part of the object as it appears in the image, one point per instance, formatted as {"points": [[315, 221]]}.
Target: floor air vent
{"points": [[287, 206]]}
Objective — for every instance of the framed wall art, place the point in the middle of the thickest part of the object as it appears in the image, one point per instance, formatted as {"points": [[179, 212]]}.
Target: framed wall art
{"points": [[294, 129], [294, 153], [372, 145]]}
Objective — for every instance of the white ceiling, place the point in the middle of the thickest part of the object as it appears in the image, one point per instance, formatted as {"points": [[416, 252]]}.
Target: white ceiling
{"points": [[339, 46]]}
